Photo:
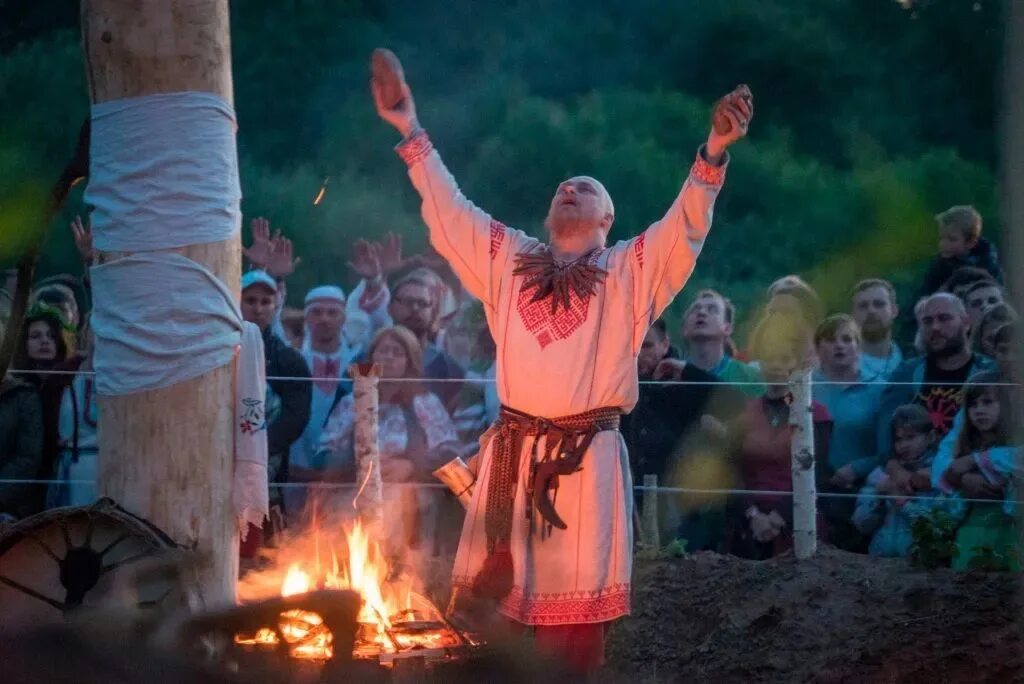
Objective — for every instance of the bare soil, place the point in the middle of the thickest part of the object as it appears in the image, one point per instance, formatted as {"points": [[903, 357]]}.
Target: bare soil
{"points": [[836, 618]]}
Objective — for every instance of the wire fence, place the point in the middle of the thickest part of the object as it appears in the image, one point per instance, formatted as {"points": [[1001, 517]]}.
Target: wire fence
{"points": [[779, 493], [492, 381]]}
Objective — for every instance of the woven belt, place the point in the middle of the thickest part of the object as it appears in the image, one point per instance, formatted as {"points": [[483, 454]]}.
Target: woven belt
{"points": [[567, 440]]}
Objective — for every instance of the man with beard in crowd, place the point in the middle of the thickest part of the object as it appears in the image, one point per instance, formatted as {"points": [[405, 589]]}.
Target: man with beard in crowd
{"points": [[935, 379], [875, 310]]}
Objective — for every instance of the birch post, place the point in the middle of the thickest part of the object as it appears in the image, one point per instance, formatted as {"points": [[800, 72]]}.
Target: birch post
{"points": [[652, 535], [805, 495], [366, 398], [168, 454]]}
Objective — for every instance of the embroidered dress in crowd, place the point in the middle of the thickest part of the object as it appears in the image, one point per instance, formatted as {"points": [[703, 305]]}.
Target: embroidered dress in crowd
{"points": [[565, 346]]}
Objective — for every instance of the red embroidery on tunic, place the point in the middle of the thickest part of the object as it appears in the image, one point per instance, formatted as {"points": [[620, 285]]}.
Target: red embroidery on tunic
{"points": [[706, 173], [563, 608], [548, 327], [497, 237], [415, 148], [638, 249]]}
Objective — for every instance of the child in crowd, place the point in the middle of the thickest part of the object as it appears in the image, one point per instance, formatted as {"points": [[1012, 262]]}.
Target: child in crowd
{"points": [[960, 244], [984, 460], [889, 520]]}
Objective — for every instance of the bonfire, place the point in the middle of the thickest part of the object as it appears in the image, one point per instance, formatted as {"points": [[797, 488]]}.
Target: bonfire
{"points": [[394, 621]]}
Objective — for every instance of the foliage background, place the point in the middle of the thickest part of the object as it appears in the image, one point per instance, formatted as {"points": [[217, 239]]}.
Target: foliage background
{"points": [[871, 117]]}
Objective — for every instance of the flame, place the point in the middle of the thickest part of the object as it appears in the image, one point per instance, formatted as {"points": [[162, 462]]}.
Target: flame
{"points": [[296, 581], [357, 563]]}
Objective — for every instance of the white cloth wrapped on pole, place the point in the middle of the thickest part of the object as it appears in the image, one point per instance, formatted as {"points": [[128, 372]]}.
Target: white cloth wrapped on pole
{"points": [[161, 318], [138, 139]]}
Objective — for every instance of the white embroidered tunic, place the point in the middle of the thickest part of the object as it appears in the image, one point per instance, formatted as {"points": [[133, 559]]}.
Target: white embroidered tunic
{"points": [[552, 365]]}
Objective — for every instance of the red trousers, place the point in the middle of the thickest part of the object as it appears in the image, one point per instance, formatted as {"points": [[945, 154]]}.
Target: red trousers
{"points": [[579, 647]]}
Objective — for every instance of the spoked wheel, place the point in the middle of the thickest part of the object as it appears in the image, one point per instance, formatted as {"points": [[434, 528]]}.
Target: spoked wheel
{"points": [[66, 558]]}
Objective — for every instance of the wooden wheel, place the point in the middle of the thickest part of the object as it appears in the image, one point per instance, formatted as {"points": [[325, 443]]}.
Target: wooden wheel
{"points": [[70, 558]]}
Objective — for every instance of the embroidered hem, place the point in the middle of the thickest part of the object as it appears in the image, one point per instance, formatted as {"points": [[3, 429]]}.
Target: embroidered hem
{"points": [[562, 608], [705, 172], [415, 148]]}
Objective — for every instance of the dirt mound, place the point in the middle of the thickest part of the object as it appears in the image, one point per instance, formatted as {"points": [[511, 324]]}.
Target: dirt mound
{"points": [[839, 617]]}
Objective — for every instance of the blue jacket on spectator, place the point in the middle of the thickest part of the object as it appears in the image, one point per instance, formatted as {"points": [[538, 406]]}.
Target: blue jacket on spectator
{"points": [[889, 521]]}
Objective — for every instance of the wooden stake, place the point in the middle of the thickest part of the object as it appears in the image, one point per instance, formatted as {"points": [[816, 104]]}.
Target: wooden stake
{"points": [[168, 455], [370, 501], [652, 534], [805, 522]]}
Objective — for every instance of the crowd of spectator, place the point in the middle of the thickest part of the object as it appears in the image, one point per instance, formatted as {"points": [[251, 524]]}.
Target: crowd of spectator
{"points": [[899, 434]]}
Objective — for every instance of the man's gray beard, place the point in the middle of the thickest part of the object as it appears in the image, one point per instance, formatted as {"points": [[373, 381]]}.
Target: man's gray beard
{"points": [[952, 348]]}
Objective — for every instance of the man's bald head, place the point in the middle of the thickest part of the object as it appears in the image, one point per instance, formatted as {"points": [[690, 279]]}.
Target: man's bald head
{"points": [[581, 204]]}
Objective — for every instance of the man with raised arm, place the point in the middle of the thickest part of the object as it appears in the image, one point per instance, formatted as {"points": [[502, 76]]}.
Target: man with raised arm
{"points": [[548, 531]]}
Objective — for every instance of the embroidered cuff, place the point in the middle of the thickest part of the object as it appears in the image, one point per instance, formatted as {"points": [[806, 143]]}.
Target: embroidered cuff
{"points": [[704, 172], [413, 149]]}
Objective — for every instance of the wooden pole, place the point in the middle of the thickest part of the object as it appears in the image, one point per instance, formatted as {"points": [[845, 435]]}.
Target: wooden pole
{"points": [[805, 522], [366, 399], [652, 535], [1012, 129], [168, 454]]}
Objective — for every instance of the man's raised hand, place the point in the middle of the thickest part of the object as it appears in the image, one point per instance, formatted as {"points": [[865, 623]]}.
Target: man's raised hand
{"points": [[260, 251], [730, 120], [390, 254], [366, 261], [281, 263], [391, 94], [83, 239]]}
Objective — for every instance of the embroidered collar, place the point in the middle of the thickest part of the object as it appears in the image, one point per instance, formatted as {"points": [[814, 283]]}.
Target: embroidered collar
{"points": [[559, 280]]}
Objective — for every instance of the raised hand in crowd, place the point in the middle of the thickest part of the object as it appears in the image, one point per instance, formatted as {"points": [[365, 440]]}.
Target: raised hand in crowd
{"points": [[282, 262], [260, 251], [272, 253], [366, 262], [390, 254], [83, 239]]}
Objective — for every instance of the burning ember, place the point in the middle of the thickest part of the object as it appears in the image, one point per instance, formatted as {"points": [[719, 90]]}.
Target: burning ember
{"points": [[393, 620]]}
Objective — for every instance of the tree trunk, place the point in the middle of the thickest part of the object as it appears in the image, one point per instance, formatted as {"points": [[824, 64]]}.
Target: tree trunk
{"points": [[168, 455], [805, 520]]}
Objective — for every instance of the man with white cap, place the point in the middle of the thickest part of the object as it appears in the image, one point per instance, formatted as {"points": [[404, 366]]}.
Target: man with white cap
{"points": [[288, 401], [328, 352], [568, 317]]}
